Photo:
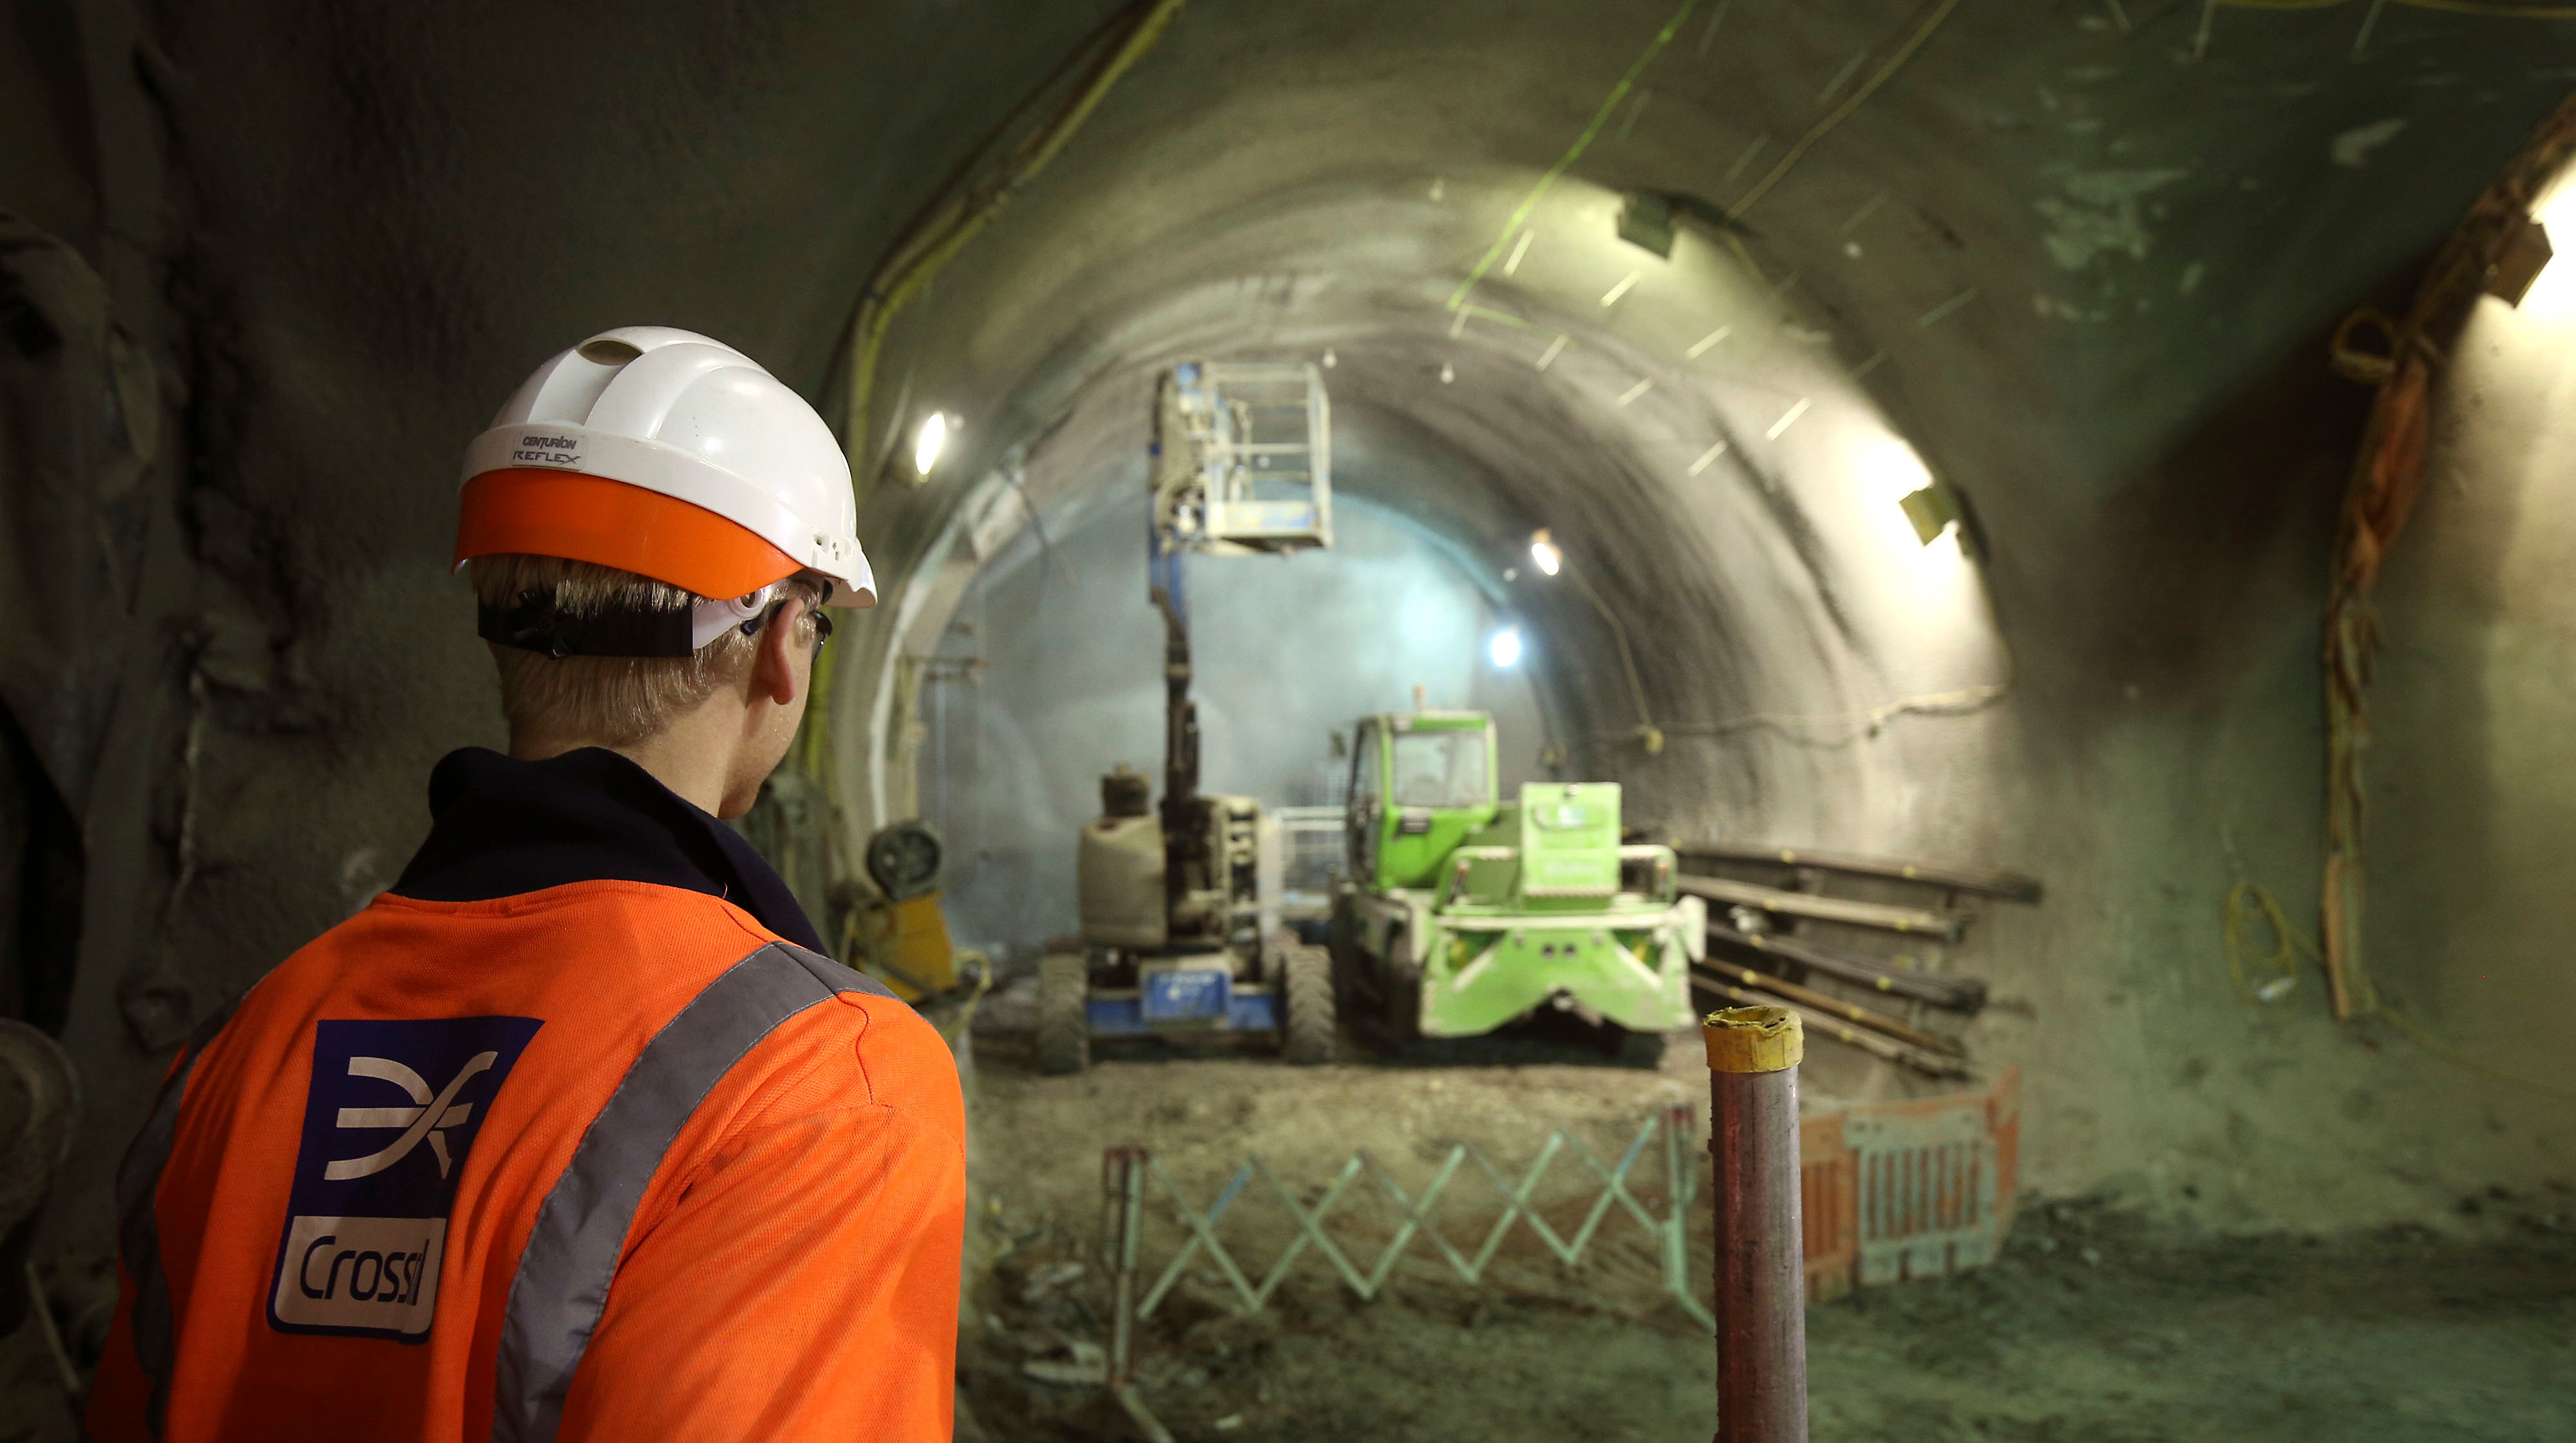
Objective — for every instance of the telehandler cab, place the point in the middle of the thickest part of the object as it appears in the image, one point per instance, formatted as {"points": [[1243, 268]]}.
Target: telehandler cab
{"points": [[1461, 912]]}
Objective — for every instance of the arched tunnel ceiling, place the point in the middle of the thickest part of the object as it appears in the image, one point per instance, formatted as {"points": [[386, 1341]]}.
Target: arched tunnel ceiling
{"points": [[385, 194], [443, 195], [2144, 233]]}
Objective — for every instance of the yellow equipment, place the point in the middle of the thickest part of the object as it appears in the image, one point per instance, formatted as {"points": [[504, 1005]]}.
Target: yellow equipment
{"points": [[907, 947]]}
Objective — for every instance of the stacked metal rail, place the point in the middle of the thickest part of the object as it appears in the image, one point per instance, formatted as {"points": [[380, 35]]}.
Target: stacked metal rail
{"points": [[1760, 951]]}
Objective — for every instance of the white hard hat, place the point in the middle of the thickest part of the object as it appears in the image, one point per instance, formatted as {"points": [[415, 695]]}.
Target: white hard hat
{"points": [[661, 452]]}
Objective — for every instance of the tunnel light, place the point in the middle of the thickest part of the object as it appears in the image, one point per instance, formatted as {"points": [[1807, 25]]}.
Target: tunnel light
{"points": [[1543, 553], [1930, 506], [2550, 293], [929, 442], [2524, 260], [1649, 220], [1934, 510], [1505, 648], [1646, 221]]}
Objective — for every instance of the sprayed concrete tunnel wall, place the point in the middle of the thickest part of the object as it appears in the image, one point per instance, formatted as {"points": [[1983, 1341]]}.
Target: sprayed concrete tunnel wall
{"points": [[2473, 757], [1052, 673]]}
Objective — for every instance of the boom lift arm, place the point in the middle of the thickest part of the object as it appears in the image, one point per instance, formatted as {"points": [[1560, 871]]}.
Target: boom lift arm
{"points": [[1241, 465]]}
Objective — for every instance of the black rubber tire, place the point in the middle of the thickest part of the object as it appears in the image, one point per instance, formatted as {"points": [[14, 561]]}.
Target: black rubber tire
{"points": [[1638, 1049], [1310, 1031], [1402, 977], [1064, 1013], [1348, 984]]}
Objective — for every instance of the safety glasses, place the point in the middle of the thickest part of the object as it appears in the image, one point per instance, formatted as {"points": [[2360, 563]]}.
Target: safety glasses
{"points": [[822, 624]]}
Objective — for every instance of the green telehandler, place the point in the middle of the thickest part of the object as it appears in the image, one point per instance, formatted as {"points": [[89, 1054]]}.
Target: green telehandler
{"points": [[1461, 912]]}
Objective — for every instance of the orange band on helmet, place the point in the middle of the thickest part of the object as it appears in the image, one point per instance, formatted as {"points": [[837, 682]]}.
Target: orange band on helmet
{"points": [[609, 523]]}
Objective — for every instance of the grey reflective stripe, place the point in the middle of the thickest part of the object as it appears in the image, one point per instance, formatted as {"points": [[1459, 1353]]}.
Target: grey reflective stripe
{"points": [[580, 1231], [138, 1231]]}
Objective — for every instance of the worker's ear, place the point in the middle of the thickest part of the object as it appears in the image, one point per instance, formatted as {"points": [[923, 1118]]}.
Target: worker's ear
{"points": [[785, 649]]}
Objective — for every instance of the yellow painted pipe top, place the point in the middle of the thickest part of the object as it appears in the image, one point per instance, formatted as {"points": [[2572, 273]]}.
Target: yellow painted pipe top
{"points": [[1754, 1039]]}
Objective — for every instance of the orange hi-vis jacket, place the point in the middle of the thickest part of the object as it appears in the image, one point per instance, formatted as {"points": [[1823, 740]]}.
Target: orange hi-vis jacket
{"points": [[606, 1159]]}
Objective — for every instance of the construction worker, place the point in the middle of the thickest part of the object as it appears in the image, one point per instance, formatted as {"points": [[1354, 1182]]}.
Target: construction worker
{"points": [[575, 1133]]}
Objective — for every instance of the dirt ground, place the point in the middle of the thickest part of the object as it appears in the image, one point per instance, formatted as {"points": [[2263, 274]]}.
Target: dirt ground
{"points": [[2096, 1325]]}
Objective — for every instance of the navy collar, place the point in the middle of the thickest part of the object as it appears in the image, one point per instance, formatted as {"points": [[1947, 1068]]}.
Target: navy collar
{"points": [[502, 827]]}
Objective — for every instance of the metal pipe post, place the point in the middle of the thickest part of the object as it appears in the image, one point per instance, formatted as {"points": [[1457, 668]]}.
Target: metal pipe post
{"points": [[1123, 1188], [1123, 1192], [1753, 1055], [1676, 1230]]}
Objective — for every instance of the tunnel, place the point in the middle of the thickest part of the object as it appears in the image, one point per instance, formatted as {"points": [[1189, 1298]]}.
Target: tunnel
{"points": [[2100, 453]]}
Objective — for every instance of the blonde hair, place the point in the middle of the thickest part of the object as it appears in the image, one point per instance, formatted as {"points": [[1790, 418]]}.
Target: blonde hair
{"points": [[612, 701]]}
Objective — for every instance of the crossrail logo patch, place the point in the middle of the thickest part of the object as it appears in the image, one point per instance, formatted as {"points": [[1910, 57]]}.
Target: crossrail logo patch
{"points": [[393, 1108]]}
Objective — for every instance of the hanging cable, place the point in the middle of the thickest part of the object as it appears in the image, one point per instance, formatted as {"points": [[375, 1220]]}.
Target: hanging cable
{"points": [[2462, 1060], [935, 236], [1647, 733], [965, 209], [1841, 112], [2278, 968], [1854, 725], [1573, 153]]}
